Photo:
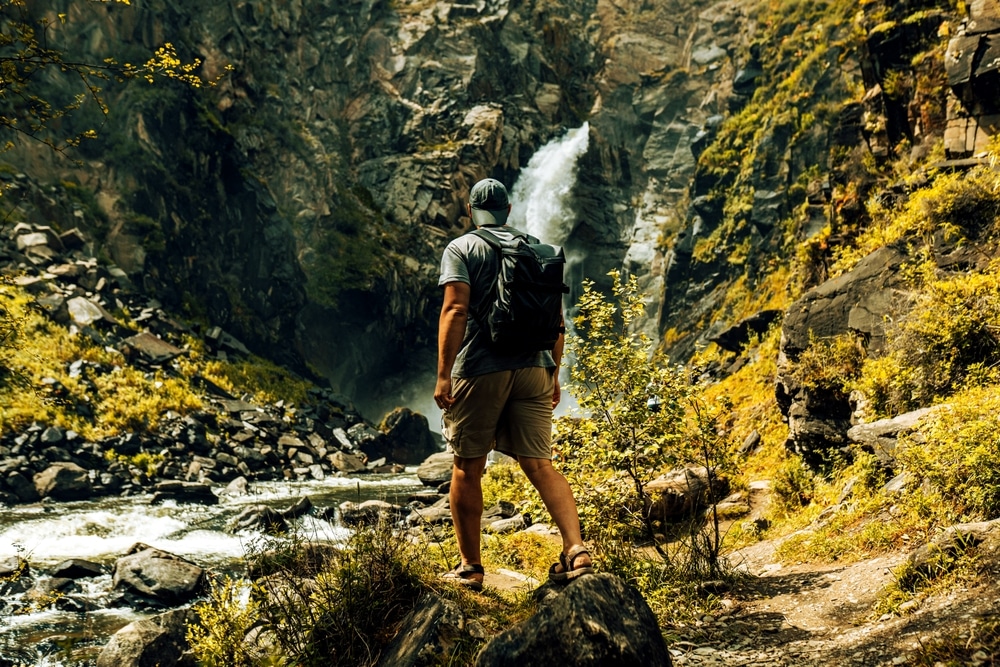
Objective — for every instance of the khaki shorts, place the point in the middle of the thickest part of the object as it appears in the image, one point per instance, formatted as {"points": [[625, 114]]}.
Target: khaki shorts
{"points": [[511, 409]]}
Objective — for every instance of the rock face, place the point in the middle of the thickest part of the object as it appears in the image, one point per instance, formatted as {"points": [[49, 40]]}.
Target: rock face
{"points": [[859, 302], [596, 620]]}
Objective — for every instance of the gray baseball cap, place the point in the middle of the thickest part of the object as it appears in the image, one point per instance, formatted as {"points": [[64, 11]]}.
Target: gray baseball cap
{"points": [[489, 202]]}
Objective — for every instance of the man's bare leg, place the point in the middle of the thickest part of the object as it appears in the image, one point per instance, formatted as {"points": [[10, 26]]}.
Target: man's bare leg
{"points": [[466, 497], [559, 501]]}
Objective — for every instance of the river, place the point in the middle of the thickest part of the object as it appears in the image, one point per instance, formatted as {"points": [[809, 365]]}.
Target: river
{"points": [[104, 529]]}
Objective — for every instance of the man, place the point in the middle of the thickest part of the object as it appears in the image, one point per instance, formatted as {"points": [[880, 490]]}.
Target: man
{"points": [[493, 400]]}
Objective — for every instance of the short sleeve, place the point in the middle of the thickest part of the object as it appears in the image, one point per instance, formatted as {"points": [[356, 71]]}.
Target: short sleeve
{"points": [[453, 267]]}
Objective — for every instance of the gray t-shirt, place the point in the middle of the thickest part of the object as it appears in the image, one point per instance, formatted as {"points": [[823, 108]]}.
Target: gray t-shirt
{"points": [[469, 259]]}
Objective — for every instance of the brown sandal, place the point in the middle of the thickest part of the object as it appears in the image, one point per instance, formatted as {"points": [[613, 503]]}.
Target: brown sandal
{"points": [[567, 561], [468, 576]]}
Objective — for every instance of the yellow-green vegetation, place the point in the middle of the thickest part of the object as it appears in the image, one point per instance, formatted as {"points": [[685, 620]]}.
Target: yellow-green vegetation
{"points": [[950, 339], [105, 395], [959, 207], [750, 393], [336, 605], [144, 461], [958, 455], [264, 380], [116, 396]]}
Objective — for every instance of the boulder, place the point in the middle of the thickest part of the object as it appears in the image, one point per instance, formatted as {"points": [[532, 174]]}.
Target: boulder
{"points": [[64, 481], [77, 568], [373, 443], [369, 512], [159, 641], [881, 436], [157, 575], [680, 493], [184, 492], [300, 507], [259, 517], [347, 463], [436, 469], [429, 633], [409, 436], [19, 485], [595, 620]]}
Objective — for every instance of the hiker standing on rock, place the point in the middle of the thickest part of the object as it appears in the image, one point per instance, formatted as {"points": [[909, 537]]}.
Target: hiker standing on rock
{"points": [[497, 377]]}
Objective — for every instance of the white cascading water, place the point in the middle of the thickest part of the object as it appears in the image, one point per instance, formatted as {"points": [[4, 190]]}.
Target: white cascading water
{"points": [[541, 197]]}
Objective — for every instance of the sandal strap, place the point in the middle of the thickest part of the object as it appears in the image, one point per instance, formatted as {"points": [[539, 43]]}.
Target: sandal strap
{"points": [[471, 568], [569, 559]]}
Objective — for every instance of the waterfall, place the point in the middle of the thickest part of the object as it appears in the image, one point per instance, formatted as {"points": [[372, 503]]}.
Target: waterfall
{"points": [[541, 197]]}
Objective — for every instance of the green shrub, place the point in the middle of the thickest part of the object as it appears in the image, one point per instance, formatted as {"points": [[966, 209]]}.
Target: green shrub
{"points": [[951, 338], [794, 484], [639, 421], [830, 366], [958, 452], [223, 621], [316, 604]]}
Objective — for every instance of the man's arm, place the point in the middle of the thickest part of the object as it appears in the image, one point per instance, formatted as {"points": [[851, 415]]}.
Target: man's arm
{"points": [[451, 332]]}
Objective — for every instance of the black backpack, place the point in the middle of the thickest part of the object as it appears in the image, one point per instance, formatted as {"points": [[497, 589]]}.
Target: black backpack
{"points": [[525, 311]]}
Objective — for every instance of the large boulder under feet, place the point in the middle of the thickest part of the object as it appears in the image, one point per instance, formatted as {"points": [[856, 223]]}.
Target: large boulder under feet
{"points": [[596, 620]]}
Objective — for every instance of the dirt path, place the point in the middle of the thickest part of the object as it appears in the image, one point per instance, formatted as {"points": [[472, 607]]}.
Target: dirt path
{"points": [[813, 615]]}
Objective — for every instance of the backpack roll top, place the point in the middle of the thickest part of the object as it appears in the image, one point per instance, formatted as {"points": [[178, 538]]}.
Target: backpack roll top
{"points": [[525, 313]]}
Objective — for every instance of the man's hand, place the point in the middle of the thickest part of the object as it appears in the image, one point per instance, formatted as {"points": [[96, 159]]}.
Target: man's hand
{"points": [[442, 394], [556, 391]]}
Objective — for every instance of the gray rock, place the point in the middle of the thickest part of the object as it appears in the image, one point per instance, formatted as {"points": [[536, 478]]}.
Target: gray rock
{"points": [[259, 517], [300, 507], [881, 436], [347, 463], [595, 620], [428, 632], [184, 492], [157, 575], [370, 512], [64, 481], [436, 469], [77, 568], [409, 436], [940, 554], [159, 641], [21, 487]]}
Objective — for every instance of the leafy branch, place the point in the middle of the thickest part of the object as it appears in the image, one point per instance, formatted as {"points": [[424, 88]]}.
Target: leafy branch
{"points": [[30, 57]]}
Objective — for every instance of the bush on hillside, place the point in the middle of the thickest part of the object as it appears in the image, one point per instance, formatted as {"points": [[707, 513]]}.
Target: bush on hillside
{"points": [[957, 452], [950, 339]]}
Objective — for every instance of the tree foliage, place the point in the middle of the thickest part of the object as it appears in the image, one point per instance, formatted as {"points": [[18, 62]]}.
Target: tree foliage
{"points": [[642, 418], [34, 54]]}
